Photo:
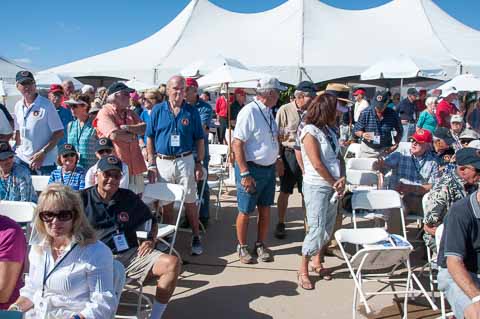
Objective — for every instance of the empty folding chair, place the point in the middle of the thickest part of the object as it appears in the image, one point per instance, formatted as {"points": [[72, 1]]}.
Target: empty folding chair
{"points": [[21, 212], [361, 175], [353, 151], [40, 182]]}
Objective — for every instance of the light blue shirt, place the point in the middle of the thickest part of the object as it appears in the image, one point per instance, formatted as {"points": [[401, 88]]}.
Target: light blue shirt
{"points": [[18, 185]]}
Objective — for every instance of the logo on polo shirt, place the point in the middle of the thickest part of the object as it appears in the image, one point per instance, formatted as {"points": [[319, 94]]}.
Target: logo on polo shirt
{"points": [[185, 122], [123, 217]]}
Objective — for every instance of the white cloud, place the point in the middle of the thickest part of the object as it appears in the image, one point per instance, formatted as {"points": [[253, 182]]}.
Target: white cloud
{"points": [[29, 47], [23, 61]]}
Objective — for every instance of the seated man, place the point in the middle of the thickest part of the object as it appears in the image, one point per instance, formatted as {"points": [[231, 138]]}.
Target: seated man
{"points": [[459, 254], [116, 214], [449, 189], [443, 144], [15, 179], [413, 173]]}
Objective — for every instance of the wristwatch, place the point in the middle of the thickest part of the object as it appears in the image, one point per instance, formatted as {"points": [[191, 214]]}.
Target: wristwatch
{"points": [[199, 162]]}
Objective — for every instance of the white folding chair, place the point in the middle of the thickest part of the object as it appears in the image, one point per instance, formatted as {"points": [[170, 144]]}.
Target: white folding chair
{"points": [[118, 284], [21, 212], [380, 250], [199, 202], [218, 168], [361, 175], [353, 151], [165, 192], [39, 182]]}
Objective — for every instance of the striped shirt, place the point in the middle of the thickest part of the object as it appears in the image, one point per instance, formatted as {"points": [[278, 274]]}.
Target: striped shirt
{"points": [[18, 185], [84, 140], [75, 179]]}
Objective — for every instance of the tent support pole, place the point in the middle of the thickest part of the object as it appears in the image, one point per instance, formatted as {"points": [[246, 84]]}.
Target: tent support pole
{"points": [[229, 115], [401, 86]]}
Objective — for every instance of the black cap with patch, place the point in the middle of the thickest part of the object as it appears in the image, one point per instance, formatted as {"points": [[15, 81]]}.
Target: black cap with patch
{"points": [[444, 133], [109, 163], [380, 100], [66, 149], [5, 151], [307, 87], [468, 156], [118, 87], [23, 76], [104, 144]]}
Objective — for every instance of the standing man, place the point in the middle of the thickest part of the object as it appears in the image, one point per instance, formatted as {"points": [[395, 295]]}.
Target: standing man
{"points": [[407, 112], [446, 108], [256, 149], [288, 118], [173, 133], [206, 114], [68, 89], [221, 109], [376, 126], [360, 104], [55, 95], [38, 128], [121, 125]]}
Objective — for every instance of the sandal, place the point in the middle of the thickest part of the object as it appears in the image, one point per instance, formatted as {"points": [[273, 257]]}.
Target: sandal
{"points": [[324, 273], [304, 281]]}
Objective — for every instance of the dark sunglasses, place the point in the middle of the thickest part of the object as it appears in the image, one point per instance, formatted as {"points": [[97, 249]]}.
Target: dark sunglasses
{"points": [[61, 215], [69, 155], [101, 152], [115, 175]]}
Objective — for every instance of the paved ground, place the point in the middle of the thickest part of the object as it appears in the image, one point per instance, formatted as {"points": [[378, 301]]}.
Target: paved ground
{"points": [[217, 285]]}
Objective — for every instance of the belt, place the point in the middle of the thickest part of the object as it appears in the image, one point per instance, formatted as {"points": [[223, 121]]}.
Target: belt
{"points": [[288, 149], [260, 166], [173, 157]]}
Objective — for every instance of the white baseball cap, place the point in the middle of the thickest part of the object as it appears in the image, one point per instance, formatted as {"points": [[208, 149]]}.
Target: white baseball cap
{"points": [[456, 119], [270, 83], [448, 91]]}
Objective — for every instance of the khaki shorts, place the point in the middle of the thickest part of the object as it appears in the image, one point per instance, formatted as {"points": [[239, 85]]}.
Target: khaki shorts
{"points": [[136, 183], [179, 171], [368, 152], [137, 267]]}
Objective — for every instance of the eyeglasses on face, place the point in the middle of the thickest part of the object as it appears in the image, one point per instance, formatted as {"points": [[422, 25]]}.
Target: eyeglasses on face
{"points": [[112, 174], [102, 152], [62, 215]]}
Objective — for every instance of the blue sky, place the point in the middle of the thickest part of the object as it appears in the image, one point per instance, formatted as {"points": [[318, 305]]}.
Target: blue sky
{"points": [[48, 35]]}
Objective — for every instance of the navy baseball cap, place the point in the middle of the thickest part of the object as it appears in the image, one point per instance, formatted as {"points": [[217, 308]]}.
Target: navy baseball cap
{"points": [[23, 76], [468, 156], [380, 100], [109, 163], [66, 149], [412, 91], [118, 87], [104, 144], [444, 133], [5, 151], [307, 87]]}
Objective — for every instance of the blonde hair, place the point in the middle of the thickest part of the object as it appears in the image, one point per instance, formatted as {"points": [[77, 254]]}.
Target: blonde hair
{"points": [[156, 94], [63, 196], [430, 100]]}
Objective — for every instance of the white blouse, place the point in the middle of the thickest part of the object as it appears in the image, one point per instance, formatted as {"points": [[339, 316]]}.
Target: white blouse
{"points": [[329, 155], [81, 283]]}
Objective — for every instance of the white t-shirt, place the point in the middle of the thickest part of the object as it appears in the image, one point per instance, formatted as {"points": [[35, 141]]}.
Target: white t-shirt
{"points": [[328, 155], [359, 107], [257, 128], [5, 127], [90, 177], [36, 125]]}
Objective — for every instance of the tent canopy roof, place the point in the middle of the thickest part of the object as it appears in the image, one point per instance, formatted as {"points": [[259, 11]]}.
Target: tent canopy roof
{"points": [[323, 41]]}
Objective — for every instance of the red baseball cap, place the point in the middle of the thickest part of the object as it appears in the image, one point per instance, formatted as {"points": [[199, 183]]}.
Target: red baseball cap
{"points": [[54, 88], [422, 136], [191, 82], [359, 91], [239, 91]]}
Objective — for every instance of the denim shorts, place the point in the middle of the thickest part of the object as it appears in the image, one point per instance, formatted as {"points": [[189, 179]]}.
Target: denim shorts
{"points": [[321, 216], [264, 194]]}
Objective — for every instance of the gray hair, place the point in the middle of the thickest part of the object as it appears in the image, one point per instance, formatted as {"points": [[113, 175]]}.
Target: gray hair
{"points": [[431, 100], [265, 92], [176, 77]]}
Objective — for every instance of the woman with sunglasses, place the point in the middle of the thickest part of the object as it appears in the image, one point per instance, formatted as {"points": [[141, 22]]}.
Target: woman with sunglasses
{"points": [[69, 173], [81, 133], [104, 148], [71, 272], [151, 98]]}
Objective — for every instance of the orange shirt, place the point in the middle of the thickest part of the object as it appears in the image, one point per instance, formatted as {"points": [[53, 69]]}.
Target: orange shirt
{"points": [[109, 120]]}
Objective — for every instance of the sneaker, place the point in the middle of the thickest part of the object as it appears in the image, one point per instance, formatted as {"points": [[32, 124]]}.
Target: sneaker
{"points": [[244, 255], [280, 231], [197, 248], [264, 254]]}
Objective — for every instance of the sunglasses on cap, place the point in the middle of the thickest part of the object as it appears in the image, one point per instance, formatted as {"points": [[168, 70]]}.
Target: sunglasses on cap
{"points": [[62, 215]]}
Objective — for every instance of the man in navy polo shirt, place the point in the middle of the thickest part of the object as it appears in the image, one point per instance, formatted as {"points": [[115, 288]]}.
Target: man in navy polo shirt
{"points": [[376, 126], [407, 112], [206, 113], [173, 133]]}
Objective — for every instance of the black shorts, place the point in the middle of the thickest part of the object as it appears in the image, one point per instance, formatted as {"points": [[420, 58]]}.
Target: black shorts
{"points": [[292, 174]]}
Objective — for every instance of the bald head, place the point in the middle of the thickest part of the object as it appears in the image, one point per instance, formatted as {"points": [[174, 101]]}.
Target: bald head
{"points": [[68, 87], [176, 90]]}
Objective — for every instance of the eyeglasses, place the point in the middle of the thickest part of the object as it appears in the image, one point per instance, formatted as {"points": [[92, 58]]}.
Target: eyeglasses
{"points": [[112, 174], [62, 215], [102, 152], [69, 155]]}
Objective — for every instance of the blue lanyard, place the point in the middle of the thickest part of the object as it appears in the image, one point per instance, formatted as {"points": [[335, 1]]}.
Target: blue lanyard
{"points": [[25, 116], [170, 111], [45, 275], [270, 124]]}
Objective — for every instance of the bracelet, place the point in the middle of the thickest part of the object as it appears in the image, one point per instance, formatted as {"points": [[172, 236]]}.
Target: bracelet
{"points": [[245, 174], [476, 299]]}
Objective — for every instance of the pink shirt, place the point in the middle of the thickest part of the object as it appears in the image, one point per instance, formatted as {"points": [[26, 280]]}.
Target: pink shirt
{"points": [[13, 248], [109, 120]]}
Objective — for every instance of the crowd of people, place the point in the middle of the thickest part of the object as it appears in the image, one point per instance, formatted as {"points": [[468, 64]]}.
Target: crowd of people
{"points": [[100, 147]]}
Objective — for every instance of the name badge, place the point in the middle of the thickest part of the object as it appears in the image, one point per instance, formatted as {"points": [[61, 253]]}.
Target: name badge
{"points": [[175, 140], [120, 242], [376, 139]]}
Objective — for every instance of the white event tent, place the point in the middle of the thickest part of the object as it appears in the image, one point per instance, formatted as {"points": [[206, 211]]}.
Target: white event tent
{"points": [[300, 39], [9, 69]]}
